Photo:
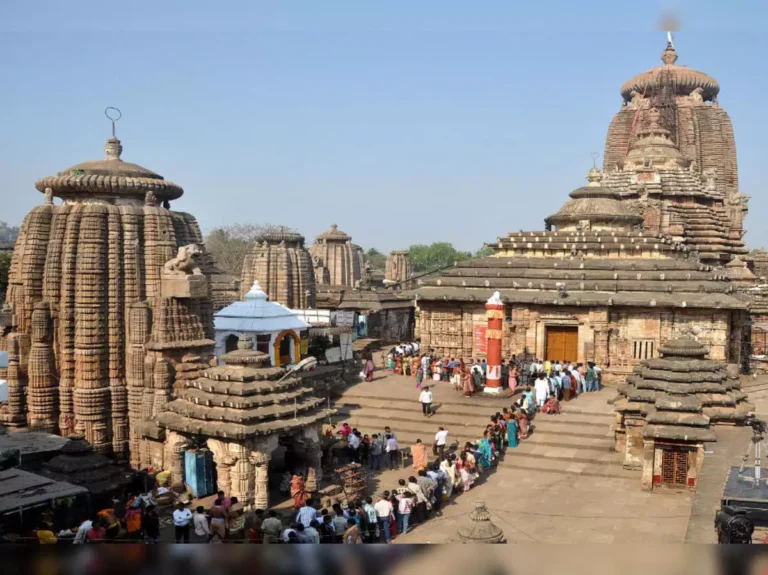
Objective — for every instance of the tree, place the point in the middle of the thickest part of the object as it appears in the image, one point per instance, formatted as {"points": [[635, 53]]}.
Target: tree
{"points": [[5, 264], [377, 259], [230, 244], [436, 256], [484, 252]]}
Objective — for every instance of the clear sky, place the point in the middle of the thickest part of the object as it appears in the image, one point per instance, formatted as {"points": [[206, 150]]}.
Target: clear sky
{"points": [[401, 121]]}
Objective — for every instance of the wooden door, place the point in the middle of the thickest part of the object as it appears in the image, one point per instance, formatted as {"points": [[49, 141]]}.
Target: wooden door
{"points": [[674, 466], [562, 343]]}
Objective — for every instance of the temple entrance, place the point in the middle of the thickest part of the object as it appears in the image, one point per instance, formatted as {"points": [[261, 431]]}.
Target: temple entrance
{"points": [[287, 348], [674, 466], [562, 343], [230, 344]]}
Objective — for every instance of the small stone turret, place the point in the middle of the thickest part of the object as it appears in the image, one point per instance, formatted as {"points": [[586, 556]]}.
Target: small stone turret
{"points": [[480, 528], [399, 268], [283, 267], [334, 250]]}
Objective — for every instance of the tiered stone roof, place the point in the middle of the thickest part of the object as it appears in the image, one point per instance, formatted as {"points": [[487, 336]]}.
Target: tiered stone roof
{"points": [[78, 464], [681, 392], [620, 268], [243, 399]]}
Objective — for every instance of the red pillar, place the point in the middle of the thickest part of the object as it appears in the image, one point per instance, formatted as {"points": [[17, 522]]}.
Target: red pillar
{"points": [[494, 312]]}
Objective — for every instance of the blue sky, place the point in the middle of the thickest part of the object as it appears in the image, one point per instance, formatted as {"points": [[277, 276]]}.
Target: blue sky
{"points": [[402, 122]]}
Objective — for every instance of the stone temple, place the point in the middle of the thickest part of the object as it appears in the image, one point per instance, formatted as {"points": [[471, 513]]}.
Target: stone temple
{"points": [[337, 260], [591, 288], [633, 260], [283, 267], [671, 154], [108, 306]]}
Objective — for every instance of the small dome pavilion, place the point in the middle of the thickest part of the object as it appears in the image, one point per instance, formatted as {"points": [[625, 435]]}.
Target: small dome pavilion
{"points": [[594, 207], [275, 329]]}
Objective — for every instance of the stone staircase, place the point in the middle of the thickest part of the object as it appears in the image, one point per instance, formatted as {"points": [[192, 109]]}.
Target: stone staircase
{"points": [[578, 439]]}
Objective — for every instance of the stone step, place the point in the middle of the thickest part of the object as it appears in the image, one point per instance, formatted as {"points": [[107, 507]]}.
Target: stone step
{"points": [[459, 408], [408, 431], [578, 423]]}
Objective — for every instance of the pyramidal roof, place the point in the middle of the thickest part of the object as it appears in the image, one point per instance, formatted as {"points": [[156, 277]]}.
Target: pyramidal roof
{"points": [[257, 314]]}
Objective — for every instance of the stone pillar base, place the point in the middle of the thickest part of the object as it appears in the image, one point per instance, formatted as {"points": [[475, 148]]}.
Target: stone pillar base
{"points": [[492, 390]]}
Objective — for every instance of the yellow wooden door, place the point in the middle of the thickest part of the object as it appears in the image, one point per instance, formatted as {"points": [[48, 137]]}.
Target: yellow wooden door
{"points": [[562, 343]]}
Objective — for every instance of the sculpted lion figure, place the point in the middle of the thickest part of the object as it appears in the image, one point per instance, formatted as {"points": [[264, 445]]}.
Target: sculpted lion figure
{"points": [[184, 263]]}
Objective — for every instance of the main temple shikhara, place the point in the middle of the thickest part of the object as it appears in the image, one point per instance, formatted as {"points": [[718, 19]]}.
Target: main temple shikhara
{"points": [[641, 255]]}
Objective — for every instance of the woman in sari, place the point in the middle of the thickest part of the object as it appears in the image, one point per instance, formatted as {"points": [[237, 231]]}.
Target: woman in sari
{"points": [[466, 474], [415, 366], [398, 364], [486, 450], [456, 376], [352, 534], [419, 454], [297, 492], [449, 468], [512, 378], [512, 432], [522, 422], [466, 380], [437, 370], [368, 370]]}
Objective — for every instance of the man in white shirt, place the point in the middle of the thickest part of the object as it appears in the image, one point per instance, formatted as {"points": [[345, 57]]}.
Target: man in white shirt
{"points": [[200, 522], [441, 437], [182, 517], [384, 514], [391, 450], [354, 444], [541, 389], [425, 398]]}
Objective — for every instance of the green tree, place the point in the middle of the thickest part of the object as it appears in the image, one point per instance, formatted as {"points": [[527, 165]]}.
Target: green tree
{"points": [[484, 252], [436, 256], [377, 259], [5, 264]]}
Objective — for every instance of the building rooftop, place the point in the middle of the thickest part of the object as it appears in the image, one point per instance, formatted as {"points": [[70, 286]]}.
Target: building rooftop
{"points": [[257, 314], [21, 489]]}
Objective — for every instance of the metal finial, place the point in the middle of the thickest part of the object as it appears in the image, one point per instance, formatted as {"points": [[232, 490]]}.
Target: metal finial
{"points": [[113, 120], [595, 156], [669, 38]]}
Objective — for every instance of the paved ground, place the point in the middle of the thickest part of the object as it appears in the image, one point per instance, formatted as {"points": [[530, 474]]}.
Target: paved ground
{"points": [[564, 484]]}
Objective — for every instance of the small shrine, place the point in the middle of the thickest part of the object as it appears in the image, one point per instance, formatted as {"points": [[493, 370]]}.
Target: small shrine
{"points": [[273, 329], [480, 528], [79, 464], [664, 412], [246, 411]]}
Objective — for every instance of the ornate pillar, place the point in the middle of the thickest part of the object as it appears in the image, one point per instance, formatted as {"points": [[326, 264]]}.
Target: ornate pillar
{"points": [[495, 315], [138, 335], [42, 391], [260, 463], [241, 474], [16, 385], [223, 464]]}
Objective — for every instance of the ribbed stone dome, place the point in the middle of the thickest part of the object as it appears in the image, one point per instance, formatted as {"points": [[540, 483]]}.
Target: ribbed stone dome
{"points": [[109, 178], [684, 79]]}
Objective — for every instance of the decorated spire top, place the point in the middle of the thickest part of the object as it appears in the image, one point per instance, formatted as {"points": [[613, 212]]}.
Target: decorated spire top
{"points": [[669, 56]]}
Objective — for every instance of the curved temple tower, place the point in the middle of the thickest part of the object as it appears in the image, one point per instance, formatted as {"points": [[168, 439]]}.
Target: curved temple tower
{"points": [[671, 153], [108, 305], [283, 267], [337, 260]]}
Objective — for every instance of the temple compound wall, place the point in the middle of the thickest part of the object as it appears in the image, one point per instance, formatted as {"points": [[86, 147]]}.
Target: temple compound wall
{"points": [[617, 339]]}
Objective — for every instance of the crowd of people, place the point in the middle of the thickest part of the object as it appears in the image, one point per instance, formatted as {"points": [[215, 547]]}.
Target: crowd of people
{"points": [[563, 380]]}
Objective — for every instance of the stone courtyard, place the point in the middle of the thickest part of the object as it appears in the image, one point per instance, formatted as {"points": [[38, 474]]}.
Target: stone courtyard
{"points": [[564, 484]]}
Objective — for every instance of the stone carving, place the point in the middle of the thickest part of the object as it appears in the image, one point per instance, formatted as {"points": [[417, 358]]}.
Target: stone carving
{"points": [[150, 199], [48, 197], [342, 258], [697, 95], [636, 99], [185, 261]]}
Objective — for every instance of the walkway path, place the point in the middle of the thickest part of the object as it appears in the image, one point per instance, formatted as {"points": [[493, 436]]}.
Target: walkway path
{"points": [[564, 484]]}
